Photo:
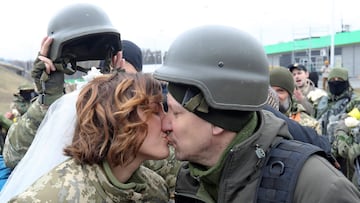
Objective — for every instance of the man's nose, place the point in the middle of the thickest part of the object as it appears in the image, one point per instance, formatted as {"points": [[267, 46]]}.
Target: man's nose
{"points": [[166, 124]]}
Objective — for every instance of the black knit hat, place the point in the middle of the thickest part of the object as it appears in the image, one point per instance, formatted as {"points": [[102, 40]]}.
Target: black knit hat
{"points": [[132, 54], [231, 120]]}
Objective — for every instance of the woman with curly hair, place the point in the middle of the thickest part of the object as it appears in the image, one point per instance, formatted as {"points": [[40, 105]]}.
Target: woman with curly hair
{"points": [[117, 128]]}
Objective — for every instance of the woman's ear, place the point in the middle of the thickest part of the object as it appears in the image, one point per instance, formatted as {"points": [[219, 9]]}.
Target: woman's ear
{"points": [[217, 130]]}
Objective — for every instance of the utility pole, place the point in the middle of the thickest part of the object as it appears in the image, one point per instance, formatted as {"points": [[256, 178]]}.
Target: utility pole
{"points": [[332, 30]]}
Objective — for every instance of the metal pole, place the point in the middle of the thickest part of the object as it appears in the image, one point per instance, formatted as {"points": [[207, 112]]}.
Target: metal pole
{"points": [[332, 30]]}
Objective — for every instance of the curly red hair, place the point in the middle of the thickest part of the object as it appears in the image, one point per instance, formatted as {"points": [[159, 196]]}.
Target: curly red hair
{"points": [[108, 124]]}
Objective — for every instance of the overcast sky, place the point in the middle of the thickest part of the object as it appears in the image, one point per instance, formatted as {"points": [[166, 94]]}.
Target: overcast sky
{"points": [[155, 24]]}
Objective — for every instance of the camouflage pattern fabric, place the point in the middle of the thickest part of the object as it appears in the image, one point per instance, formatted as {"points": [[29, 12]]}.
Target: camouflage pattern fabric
{"points": [[331, 111], [354, 153], [19, 105], [346, 145], [22, 133], [71, 182], [298, 113], [166, 168], [306, 103], [5, 124]]}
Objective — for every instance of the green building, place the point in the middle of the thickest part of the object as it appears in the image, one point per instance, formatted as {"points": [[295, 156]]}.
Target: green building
{"points": [[313, 51]]}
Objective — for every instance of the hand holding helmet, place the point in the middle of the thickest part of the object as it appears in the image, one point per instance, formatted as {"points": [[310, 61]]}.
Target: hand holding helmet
{"points": [[48, 77]]}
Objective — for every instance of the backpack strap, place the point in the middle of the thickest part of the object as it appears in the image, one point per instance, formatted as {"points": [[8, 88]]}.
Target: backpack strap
{"points": [[281, 170]]}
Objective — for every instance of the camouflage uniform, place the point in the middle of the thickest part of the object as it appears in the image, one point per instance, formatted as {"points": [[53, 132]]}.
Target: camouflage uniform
{"points": [[346, 145], [71, 182], [18, 107], [282, 78], [5, 124], [314, 96], [309, 102], [22, 133], [334, 116], [298, 113], [333, 110], [22, 100], [347, 140], [167, 168]]}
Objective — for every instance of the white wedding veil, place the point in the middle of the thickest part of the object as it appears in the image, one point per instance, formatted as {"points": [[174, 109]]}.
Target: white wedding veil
{"points": [[46, 151]]}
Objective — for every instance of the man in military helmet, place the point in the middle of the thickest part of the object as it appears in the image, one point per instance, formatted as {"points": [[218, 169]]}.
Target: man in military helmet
{"points": [[215, 122], [21, 101]]}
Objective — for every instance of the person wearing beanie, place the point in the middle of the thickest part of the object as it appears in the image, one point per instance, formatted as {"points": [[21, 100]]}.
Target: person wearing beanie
{"points": [[336, 123], [283, 84], [305, 89], [219, 129], [132, 55]]}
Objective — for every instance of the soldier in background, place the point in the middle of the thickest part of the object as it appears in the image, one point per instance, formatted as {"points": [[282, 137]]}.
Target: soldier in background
{"points": [[21, 102], [19, 105], [325, 70], [283, 83], [341, 100], [305, 92]]}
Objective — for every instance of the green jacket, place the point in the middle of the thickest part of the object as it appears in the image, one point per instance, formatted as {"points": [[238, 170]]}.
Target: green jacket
{"points": [[318, 181], [71, 182]]}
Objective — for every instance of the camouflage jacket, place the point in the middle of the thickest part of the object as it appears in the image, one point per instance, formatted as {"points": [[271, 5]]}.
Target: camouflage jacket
{"points": [[166, 168], [71, 182], [306, 103], [347, 146], [332, 110], [22, 133], [298, 113]]}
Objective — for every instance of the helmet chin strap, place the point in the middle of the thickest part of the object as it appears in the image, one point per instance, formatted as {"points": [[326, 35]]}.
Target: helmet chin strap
{"points": [[70, 64], [106, 68]]}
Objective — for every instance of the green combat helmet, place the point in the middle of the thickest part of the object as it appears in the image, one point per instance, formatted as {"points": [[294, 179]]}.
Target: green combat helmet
{"points": [[27, 92], [82, 32], [224, 63]]}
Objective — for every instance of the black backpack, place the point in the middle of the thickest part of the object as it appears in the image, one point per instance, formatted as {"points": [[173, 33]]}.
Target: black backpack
{"points": [[281, 170]]}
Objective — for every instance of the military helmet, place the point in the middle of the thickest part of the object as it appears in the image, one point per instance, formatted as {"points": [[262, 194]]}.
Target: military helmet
{"points": [[228, 65], [26, 87], [282, 77], [26, 92], [82, 32]]}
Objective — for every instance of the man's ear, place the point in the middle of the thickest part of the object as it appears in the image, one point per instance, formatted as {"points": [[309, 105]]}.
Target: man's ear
{"points": [[217, 130]]}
